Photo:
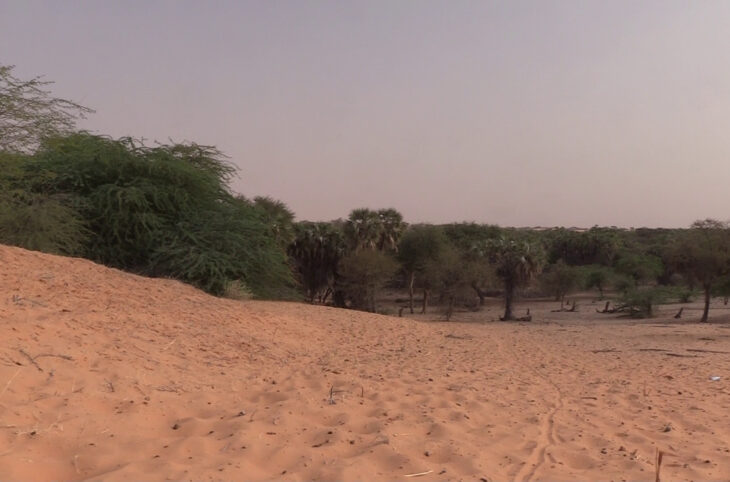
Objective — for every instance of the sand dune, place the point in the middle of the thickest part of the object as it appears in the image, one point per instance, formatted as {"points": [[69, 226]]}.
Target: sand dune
{"points": [[107, 375]]}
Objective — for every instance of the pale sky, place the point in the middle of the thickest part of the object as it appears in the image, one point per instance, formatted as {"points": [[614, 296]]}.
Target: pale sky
{"points": [[551, 113]]}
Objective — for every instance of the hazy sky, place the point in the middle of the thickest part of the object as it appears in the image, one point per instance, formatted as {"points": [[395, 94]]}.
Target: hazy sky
{"points": [[516, 113]]}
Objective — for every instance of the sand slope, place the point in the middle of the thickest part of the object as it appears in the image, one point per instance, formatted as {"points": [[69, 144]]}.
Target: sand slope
{"points": [[106, 375]]}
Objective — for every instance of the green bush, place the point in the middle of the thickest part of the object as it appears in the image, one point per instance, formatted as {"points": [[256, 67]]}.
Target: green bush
{"points": [[163, 211]]}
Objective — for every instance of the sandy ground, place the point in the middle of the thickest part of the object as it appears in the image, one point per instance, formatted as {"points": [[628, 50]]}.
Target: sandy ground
{"points": [[106, 375]]}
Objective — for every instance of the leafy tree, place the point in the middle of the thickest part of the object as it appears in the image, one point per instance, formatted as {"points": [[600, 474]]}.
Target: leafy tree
{"points": [[703, 255], [163, 210], [364, 274], [316, 252], [419, 246], [638, 266], [464, 236], [36, 220], [516, 264], [29, 114], [642, 300], [392, 228], [598, 277], [596, 246], [363, 229], [449, 275], [278, 217], [559, 280], [368, 229]]}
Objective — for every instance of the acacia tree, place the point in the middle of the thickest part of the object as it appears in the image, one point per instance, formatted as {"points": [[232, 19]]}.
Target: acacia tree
{"points": [[703, 255], [516, 263], [559, 280], [29, 113], [449, 273], [597, 277], [364, 274], [420, 244]]}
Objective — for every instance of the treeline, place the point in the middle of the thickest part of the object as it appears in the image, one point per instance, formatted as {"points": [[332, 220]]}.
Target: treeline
{"points": [[167, 210], [347, 262]]}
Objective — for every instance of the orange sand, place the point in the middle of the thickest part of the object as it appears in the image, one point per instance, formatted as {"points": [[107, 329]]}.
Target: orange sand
{"points": [[133, 378]]}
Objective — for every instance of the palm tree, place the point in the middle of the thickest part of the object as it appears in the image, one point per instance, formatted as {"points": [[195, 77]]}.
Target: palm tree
{"points": [[391, 229], [363, 229], [316, 253], [516, 264]]}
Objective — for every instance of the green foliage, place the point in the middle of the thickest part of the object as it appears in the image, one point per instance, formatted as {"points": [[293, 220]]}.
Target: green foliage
{"points": [[639, 267], [419, 245], [703, 256], [516, 263], [163, 210], [36, 221], [598, 277], [450, 275], [559, 280], [642, 300], [316, 252], [466, 235], [278, 217], [364, 273], [596, 246], [368, 229], [29, 114]]}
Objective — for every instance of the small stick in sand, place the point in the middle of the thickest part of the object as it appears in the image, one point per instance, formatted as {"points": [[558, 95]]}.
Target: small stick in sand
{"points": [[25, 354], [419, 474]]}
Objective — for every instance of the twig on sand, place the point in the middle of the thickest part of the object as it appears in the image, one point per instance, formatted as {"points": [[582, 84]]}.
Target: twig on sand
{"points": [[419, 474], [169, 344], [25, 354], [65, 357], [32, 358]]}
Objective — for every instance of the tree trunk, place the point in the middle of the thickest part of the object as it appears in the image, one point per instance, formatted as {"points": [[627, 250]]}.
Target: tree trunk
{"points": [[706, 312], [425, 301], [509, 292], [481, 294], [411, 281], [450, 309]]}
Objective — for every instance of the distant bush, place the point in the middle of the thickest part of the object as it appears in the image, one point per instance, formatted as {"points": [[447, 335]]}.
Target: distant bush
{"points": [[363, 275], [643, 300]]}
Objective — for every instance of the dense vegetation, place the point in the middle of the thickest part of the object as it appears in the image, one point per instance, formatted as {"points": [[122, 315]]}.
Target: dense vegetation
{"points": [[167, 210]]}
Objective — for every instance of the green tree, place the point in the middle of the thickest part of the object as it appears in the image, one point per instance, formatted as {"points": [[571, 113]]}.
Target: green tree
{"points": [[368, 229], [363, 275], [36, 220], [29, 113], [419, 245], [559, 280], [449, 275], [164, 210], [391, 230], [703, 255], [278, 217], [516, 264], [638, 266], [597, 277], [641, 300], [316, 253]]}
